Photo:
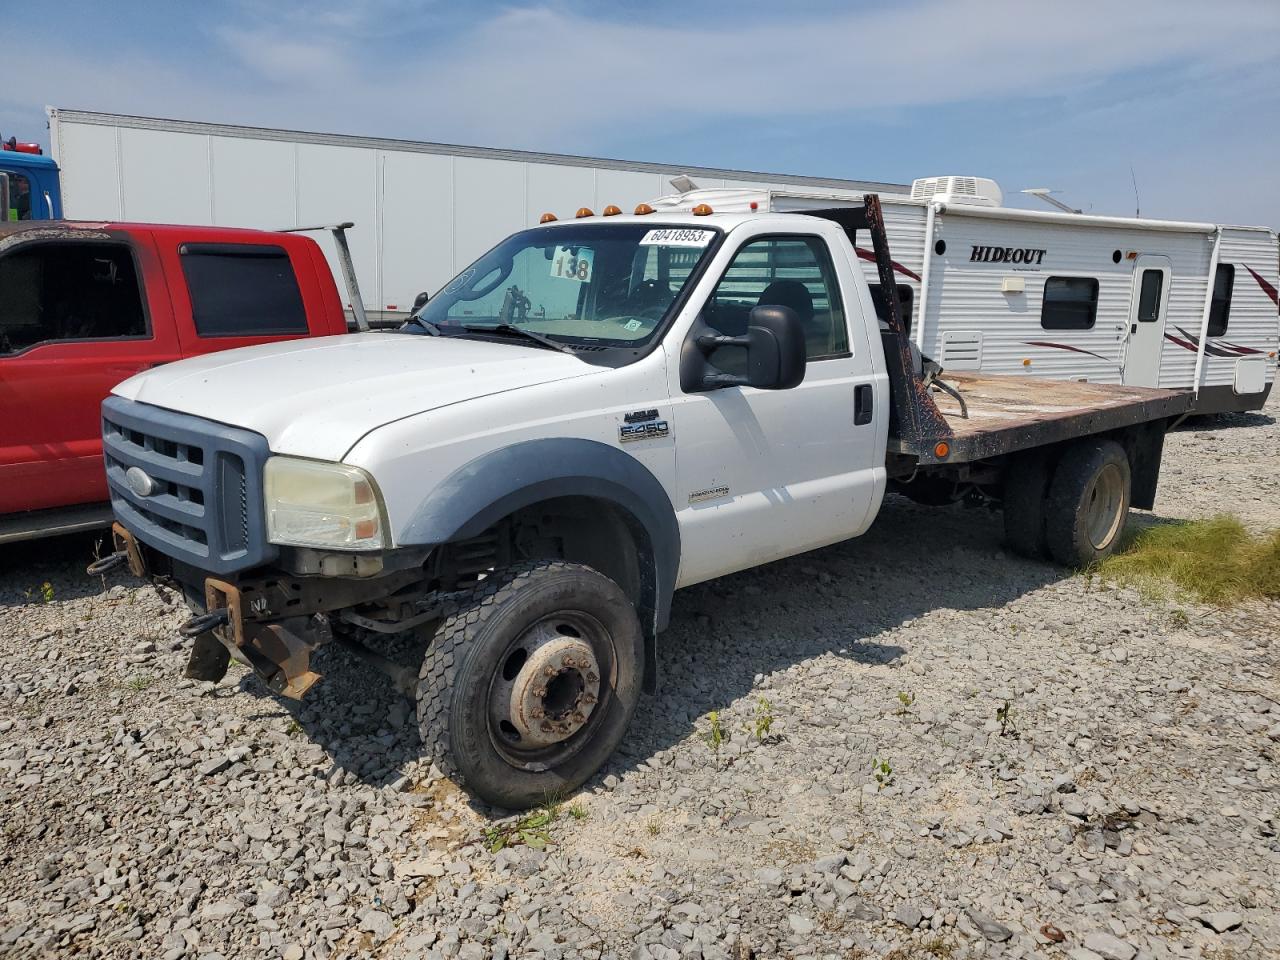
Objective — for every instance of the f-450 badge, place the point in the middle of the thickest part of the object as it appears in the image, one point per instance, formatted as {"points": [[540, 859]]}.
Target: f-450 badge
{"points": [[642, 425]]}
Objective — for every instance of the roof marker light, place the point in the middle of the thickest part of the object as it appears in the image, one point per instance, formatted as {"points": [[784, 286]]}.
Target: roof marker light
{"points": [[611, 210], [548, 218], [643, 209], [702, 210], [584, 212]]}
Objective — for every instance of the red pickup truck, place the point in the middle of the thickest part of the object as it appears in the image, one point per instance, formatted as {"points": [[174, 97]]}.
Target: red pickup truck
{"points": [[86, 305]]}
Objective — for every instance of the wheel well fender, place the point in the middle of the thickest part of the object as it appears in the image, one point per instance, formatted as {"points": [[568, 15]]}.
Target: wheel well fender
{"points": [[502, 482]]}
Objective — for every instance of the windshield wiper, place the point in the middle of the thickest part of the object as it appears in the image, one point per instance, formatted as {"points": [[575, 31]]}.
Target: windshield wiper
{"points": [[512, 330], [426, 325]]}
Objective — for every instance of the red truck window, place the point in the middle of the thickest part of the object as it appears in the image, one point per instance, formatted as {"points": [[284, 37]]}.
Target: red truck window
{"points": [[242, 289], [75, 290]]}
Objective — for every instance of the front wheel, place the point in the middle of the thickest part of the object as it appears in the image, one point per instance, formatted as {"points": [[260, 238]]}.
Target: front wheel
{"points": [[530, 685]]}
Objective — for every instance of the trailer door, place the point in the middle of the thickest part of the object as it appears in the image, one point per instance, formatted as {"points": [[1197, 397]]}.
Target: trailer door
{"points": [[1148, 308]]}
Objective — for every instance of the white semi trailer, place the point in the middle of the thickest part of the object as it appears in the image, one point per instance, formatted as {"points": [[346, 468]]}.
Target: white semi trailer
{"points": [[422, 211]]}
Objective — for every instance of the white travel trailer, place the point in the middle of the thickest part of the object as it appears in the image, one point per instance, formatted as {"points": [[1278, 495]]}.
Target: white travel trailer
{"points": [[1067, 296]]}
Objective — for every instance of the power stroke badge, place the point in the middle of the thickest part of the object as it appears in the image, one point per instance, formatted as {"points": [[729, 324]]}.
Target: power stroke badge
{"points": [[642, 425]]}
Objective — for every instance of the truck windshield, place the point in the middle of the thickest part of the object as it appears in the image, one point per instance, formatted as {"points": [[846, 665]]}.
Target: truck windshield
{"points": [[610, 284]]}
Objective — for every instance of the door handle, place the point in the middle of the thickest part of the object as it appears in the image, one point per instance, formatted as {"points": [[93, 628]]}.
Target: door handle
{"points": [[1133, 328], [863, 399]]}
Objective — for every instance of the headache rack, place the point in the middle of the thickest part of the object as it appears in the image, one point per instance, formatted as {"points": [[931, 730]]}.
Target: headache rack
{"points": [[973, 416]]}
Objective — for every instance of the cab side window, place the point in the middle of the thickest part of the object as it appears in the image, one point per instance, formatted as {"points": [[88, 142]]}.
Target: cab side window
{"points": [[789, 271], [242, 289], [19, 197], [68, 291]]}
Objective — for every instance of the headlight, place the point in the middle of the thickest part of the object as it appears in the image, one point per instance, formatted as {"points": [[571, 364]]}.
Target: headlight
{"points": [[315, 504]]}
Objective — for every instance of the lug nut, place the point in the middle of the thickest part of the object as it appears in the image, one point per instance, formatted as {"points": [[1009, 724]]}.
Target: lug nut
{"points": [[550, 672], [539, 691], [592, 678], [538, 714], [588, 698], [546, 728]]}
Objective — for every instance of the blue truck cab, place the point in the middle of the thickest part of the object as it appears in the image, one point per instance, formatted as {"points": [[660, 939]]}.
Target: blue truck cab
{"points": [[34, 189]]}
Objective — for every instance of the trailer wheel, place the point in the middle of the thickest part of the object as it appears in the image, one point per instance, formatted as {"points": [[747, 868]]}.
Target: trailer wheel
{"points": [[1088, 502], [1026, 484], [529, 686]]}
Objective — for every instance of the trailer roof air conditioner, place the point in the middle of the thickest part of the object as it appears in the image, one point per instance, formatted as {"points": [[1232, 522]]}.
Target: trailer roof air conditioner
{"points": [[976, 191]]}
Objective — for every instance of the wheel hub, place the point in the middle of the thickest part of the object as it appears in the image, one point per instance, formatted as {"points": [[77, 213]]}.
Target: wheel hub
{"points": [[555, 691]]}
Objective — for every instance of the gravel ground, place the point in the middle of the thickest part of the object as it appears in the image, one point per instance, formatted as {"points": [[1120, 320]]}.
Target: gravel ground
{"points": [[966, 755]]}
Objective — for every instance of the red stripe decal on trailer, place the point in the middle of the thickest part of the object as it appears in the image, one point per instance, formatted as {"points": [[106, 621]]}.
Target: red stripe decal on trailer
{"points": [[868, 255], [1192, 343], [1063, 346], [1267, 288]]}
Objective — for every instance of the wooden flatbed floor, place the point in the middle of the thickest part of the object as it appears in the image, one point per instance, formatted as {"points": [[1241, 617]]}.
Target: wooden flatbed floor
{"points": [[1007, 414]]}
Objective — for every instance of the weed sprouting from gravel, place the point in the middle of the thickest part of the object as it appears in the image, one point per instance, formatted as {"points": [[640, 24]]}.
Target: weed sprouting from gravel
{"points": [[905, 701], [1216, 560], [140, 682], [763, 720], [653, 827], [44, 593], [882, 771], [578, 812], [1007, 717], [531, 830], [715, 735]]}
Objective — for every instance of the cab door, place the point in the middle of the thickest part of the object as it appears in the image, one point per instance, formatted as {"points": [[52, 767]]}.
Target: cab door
{"points": [[765, 474], [76, 321], [1148, 309]]}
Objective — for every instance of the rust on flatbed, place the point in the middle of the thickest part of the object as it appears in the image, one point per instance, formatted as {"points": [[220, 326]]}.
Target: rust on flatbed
{"points": [[1008, 414]]}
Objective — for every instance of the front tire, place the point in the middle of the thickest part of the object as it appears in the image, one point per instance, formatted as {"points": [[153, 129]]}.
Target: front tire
{"points": [[530, 685], [1088, 503]]}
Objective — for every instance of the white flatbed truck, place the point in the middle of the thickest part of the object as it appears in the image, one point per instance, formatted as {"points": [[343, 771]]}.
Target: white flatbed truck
{"points": [[596, 413]]}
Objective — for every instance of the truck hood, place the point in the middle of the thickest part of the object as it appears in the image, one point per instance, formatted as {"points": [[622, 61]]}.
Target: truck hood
{"points": [[316, 398]]}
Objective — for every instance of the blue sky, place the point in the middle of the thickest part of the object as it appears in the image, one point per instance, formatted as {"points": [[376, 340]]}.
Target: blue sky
{"points": [[1068, 96]]}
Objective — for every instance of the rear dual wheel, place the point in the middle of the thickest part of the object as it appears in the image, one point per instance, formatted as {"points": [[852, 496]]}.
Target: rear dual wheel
{"points": [[1073, 511], [530, 684]]}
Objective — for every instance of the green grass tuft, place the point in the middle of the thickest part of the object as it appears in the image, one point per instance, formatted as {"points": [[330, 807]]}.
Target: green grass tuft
{"points": [[1216, 561]]}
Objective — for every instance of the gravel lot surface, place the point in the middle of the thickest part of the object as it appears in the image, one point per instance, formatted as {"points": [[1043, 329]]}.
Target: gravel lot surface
{"points": [[1124, 805]]}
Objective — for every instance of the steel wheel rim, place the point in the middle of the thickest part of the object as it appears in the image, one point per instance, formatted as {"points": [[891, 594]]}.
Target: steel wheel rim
{"points": [[1103, 506], [508, 685]]}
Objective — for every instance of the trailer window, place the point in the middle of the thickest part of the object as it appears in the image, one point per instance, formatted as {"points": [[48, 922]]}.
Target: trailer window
{"points": [[1149, 296], [795, 272], [242, 290], [1070, 303], [68, 291], [1220, 306]]}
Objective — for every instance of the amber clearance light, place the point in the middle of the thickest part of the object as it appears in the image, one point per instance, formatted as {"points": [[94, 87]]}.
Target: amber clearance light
{"points": [[942, 449], [584, 212], [612, 211], [702, 210], [642, 209], [548, 218]]}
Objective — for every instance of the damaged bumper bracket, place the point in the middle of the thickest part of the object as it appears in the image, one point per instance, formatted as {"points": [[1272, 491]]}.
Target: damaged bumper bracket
{"points": [[280, 653]]}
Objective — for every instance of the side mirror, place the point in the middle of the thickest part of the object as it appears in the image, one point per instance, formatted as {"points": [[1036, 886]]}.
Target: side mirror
{"points": [[775, 349], [420, 301]]}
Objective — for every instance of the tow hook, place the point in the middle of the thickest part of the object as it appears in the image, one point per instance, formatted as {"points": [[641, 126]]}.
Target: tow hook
{"points": [[205, 622], [106, 564]]}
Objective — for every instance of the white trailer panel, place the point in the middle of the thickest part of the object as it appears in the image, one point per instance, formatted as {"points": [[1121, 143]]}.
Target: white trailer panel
{"points": [[422, 211]]}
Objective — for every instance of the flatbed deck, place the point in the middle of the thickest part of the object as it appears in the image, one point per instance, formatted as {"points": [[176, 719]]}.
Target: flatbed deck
{"points": [[1008, 414]]}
